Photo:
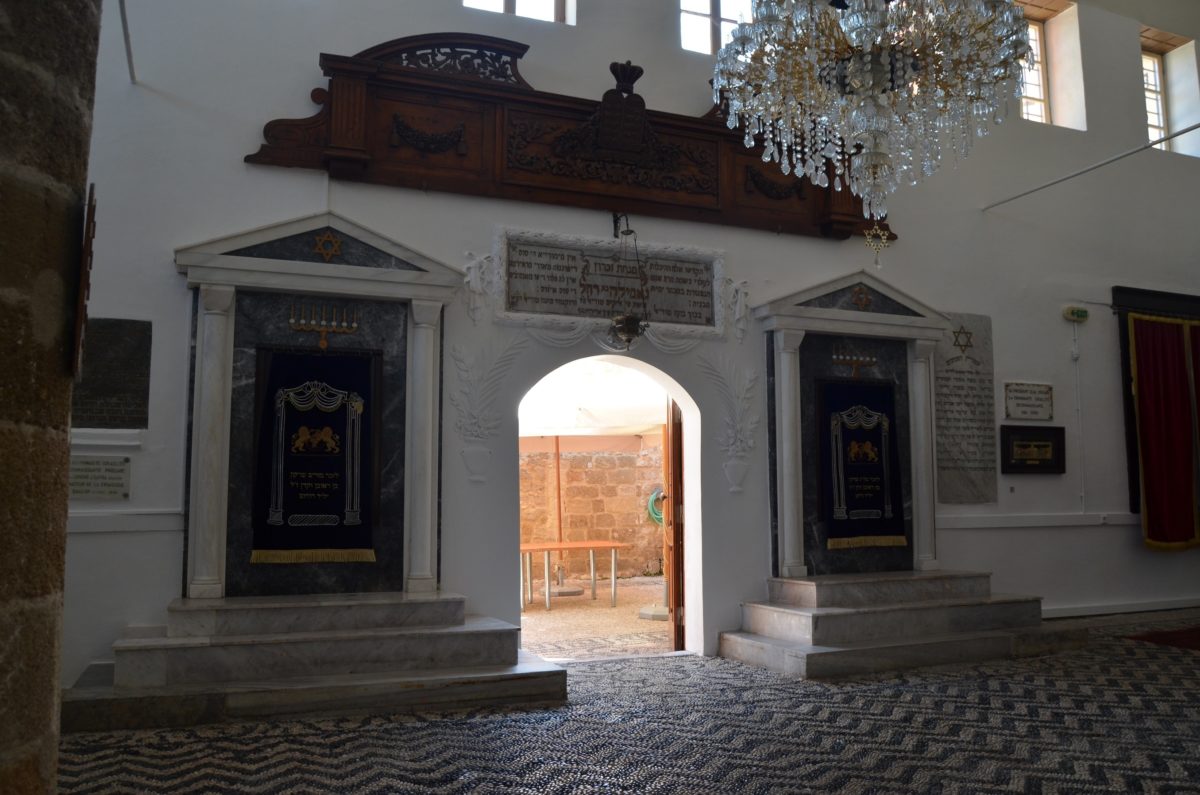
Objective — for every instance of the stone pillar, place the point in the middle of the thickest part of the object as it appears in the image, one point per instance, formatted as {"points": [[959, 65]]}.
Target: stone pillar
{"points": [[789, 473], [920, 379], [211, 396], [421, 468], [49, 56]]}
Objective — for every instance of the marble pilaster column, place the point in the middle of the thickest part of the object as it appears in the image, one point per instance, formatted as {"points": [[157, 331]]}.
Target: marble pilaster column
{"points": [[422, 428], [921, 420], [209, 491], [789, 474]]}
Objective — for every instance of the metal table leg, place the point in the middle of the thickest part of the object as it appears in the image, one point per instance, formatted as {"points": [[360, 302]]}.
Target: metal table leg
{"points": [[528, 556], [592, 566], [614, 577], [547, 559]]}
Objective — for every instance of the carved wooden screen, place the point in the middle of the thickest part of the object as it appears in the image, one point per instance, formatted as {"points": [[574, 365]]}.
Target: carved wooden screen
{"points": [[451, 112]]}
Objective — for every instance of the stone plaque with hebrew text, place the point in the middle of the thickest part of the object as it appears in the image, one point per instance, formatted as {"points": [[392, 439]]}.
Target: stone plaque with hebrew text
{"points": [[594, 281], [965, 408]]}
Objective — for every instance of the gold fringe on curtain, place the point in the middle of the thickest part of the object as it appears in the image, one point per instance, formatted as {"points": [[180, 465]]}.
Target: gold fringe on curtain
{"points": [[867, 541], [312, 556]]}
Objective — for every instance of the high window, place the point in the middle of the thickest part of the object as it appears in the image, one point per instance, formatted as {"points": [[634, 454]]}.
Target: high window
{"points": [[546, 10], [1035, 97], [706, 25], [1156, 97]]}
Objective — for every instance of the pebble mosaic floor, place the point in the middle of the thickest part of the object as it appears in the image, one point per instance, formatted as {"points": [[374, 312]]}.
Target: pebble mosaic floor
{"points": [[1119, 716], [582, 628]]}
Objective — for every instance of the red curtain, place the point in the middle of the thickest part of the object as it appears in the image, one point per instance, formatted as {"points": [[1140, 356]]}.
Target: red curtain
{"points": [[1165, 355]]}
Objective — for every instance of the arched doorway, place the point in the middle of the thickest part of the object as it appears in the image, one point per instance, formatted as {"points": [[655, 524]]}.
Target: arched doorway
{"points": [[605, 481]]}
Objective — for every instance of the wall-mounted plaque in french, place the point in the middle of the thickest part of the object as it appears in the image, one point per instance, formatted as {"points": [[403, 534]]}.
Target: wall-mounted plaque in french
{"points": [[1028, 401]]}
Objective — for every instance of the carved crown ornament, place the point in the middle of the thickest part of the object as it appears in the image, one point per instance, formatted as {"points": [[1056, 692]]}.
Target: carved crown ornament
{"points": [[451, 112]]}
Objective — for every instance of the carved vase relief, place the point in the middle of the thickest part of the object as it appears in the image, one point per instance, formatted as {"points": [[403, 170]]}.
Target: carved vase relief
{"points": [[480, 376]]}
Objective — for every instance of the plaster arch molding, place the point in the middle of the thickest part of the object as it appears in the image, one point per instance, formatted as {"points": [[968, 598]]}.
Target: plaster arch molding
{"points": [[484, 293], [479, 372]]}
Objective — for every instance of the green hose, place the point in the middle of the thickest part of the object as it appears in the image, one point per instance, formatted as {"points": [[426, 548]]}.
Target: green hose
{"points": [[655, 512]]}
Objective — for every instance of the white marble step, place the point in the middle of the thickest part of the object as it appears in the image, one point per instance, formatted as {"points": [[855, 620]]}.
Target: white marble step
{"points": [[163, 660], [258, 615], [834, 661], [824, 625], [861, 590], [810, 661], [95, 705]]}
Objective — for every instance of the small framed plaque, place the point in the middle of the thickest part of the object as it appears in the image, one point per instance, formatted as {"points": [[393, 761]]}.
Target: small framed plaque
{"points": [[1024, 401], [1032, 449], [99, 477]]}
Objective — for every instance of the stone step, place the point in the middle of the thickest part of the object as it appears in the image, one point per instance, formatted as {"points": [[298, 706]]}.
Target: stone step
{"points": [[95, 705], [825, 625], [861, 590], [810, 661], [259, 615], [160, 661]]}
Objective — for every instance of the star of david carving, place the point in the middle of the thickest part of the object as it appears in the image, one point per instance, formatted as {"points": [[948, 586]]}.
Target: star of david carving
{"points": [[963, 339], [861, 298], [328, 245]]}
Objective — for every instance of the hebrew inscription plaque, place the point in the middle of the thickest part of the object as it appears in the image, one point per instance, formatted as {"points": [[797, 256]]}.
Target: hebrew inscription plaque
{"points": [[594, 281], [966, 414]]}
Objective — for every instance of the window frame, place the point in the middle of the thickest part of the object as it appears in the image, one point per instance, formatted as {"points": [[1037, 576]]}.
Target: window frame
{"points": [[714, 25], [510, 7], [1160, 95], [1043, 73]]}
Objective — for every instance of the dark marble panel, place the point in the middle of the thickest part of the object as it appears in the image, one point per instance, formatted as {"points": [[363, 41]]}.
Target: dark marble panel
{"points": [[325, 244], [113, 390], [860, 298], [816, 364], [262, 320]]}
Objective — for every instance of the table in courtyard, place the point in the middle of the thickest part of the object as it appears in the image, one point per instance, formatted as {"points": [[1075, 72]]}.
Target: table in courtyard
{"points": [[547, 547]]}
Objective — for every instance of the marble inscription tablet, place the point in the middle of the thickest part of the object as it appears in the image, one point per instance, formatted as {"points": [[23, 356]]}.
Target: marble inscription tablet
{"points": [[964, 403], [591, 280]]}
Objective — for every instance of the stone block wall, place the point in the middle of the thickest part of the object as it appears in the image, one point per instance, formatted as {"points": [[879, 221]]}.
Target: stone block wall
{"points": [[605, 482], [49, 54]]}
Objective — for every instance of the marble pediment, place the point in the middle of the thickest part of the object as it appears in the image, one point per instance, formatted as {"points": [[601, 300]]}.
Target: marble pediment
{"points": [[858, 303], [319, 253], [325, 243]]}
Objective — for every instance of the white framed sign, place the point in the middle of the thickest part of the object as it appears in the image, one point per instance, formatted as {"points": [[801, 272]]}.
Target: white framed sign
{"points": [[99, 477], [1026, 401]]}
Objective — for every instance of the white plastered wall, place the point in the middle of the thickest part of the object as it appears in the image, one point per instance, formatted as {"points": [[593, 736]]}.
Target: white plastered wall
{"points": [[167, 161]]}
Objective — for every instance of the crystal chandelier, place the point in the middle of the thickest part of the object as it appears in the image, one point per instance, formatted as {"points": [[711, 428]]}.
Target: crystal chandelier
{"points": [[869, 93]]}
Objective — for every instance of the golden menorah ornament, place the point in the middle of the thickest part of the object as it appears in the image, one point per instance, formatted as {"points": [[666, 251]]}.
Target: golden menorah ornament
{"points": [[324, 321]]}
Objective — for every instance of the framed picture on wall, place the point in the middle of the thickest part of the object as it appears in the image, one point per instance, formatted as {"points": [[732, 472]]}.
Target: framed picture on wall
{"points": [[1032, 449]]}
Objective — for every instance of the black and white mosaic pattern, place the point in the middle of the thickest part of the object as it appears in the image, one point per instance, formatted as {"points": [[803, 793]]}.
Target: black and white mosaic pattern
{"points": [[1120, 716]]}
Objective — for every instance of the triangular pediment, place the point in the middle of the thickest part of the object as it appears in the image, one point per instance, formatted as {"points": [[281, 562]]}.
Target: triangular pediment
{"points": [[328, 244], [858, 299], [322, 249]]}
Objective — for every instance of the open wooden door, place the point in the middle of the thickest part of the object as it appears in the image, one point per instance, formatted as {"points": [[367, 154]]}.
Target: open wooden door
{"points": [[672, 511]]}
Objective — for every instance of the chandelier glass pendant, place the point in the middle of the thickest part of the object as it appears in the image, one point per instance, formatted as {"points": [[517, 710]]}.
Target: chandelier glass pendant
{"points": [[870, 93]]}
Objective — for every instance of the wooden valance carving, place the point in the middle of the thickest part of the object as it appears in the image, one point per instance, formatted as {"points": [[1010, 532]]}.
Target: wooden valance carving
{"points": [[451, 112]]}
